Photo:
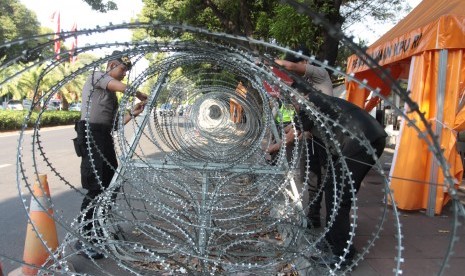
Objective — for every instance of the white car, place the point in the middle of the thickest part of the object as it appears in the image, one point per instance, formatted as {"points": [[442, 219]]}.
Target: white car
{"points": [[14, 105], [75, 107]]}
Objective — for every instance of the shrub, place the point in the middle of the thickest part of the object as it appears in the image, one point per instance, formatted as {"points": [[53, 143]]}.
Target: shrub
{"points": [[13, 120]]}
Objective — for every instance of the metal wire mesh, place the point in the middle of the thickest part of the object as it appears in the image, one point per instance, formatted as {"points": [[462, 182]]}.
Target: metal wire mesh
{"points": [[195, 192]]}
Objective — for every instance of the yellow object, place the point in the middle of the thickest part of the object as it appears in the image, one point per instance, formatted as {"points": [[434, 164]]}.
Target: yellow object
{"points": [[286, 113]]}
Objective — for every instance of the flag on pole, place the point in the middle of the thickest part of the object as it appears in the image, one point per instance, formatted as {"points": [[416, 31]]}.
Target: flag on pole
{"points": [[55, 18], [72, 52]]}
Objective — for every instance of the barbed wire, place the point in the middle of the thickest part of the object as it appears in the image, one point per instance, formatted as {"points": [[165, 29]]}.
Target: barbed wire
{"points": [[197, 193]]}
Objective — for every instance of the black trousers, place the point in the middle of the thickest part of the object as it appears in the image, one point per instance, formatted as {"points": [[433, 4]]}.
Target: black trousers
{"points": [[100, 165], [359, 165]]}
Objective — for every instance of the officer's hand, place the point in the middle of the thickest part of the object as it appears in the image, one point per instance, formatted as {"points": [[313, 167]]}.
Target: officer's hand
{"points": [[138, 108], [141, 96]]}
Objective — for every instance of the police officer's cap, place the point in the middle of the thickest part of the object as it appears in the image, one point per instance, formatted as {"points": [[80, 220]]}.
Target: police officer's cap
{"points": [[123, 59]]}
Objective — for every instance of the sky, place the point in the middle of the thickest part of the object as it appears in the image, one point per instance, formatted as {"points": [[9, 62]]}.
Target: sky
{"points": [[370, 35], [80, 12]]}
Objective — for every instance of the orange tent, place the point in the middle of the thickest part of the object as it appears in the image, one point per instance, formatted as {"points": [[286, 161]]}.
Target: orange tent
{"points": [[428, 48]]}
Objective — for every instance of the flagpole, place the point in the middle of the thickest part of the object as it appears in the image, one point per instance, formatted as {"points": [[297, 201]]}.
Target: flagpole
{"points": [[55, 18]]}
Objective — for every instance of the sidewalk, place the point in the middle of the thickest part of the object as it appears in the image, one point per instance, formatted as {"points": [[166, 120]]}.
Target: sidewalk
{"points": [[425, 239]]}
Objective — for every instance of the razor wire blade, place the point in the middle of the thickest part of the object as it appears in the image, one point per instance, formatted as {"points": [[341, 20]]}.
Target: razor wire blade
{"points": [[197, 193]]}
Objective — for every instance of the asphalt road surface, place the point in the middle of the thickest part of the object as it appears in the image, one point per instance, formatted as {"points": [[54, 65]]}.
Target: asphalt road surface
{"points": [[13, 220], [66, 198]]}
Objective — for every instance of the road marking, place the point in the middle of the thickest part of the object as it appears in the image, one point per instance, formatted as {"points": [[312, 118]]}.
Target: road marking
{"points": [[4, 166], [30, 131]]}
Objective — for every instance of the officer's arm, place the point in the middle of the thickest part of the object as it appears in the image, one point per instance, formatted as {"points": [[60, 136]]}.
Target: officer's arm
{"points": [[117, 86], [298, 68]]}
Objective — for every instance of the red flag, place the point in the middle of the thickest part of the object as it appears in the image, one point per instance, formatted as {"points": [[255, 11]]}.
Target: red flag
{"points": [[56, 20], [72, 52]]}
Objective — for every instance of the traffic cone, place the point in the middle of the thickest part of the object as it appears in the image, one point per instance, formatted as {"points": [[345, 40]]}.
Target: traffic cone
{"points": [[1, 269], [40, 214]]}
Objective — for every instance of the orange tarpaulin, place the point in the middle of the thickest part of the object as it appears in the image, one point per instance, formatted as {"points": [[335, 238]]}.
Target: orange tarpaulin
{"points": [[358, 95], [411, 171], [433, 24], [431, 42], [235, 108]]}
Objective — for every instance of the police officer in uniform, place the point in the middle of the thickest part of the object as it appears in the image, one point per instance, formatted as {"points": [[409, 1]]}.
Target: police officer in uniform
{"points": [[99, 111]]}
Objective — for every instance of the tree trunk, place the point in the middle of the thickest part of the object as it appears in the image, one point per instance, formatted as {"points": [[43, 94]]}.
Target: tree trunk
{"points": [[329, 49], [245, 18], [64, 101]]}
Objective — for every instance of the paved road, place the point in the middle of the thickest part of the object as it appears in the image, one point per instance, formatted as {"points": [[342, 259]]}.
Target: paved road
{"points": [[57, 144], [425, 239]]}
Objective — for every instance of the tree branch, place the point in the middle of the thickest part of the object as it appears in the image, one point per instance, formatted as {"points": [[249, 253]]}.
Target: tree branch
{"points": [[227, 24]]}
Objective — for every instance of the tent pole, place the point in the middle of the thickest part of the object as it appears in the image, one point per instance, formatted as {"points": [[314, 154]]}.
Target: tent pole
{"points": [[441, 89]]}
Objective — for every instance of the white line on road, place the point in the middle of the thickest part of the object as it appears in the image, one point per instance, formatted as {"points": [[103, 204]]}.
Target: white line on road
{"points": [[30, 131], [4, 166]]}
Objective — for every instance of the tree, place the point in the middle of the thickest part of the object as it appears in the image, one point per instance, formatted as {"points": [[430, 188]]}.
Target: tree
{"points": [[71, 91], [22, 86], [30, 85], [234, 17], [269, 19], [12, 87], [100, 6], [16, 21], [345, 12]]}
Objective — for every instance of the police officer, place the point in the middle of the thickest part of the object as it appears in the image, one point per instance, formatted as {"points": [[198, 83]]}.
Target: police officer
{"points": [[99, 110]]}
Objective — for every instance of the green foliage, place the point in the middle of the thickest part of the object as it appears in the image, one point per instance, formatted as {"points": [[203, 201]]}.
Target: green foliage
{"points": [[13, 120], [16, 21], [272, 21], [11, 87], [71, 91], [293, 29], [100, 6], [26, 84], [345, 53]]}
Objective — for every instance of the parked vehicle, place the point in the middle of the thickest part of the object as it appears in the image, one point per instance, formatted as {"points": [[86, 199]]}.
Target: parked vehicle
{"points": [[166, 110], [75, 107], [27, 104], [54, 105], [14, 105]]}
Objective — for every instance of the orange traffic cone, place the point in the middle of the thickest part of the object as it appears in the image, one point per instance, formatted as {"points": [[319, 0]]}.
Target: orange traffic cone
{"points": [[40, 210]]}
